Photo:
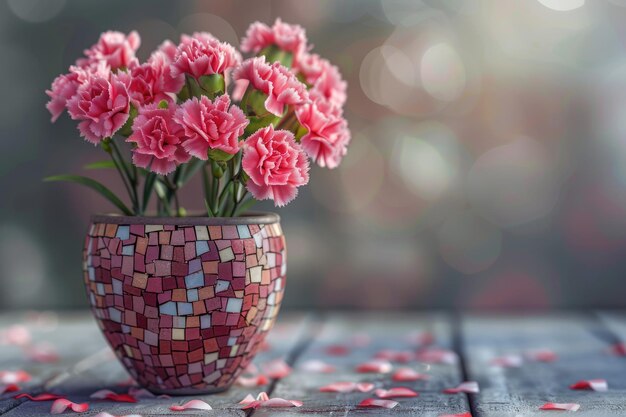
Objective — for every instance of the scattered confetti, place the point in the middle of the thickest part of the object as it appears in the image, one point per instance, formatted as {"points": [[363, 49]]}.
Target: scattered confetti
{"points": [[508, 361], [60, 405], [409, 375], [17, 335], [6, 388], [276, 369], [560, 406], [263, 400], [375, 366], [40, 397], [468, 387], [402, 356], [191, 405], [252, 381], [541, 355], [318, 366], [399, 392], [337, 350], [14, 377], [346, 387], [105, 394], [599, 385], [375, 403], [436, 355]]}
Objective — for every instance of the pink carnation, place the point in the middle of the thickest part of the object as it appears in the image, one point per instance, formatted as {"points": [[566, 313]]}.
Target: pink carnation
{"points": [[102, 103], [204, 55], [168, 48], [211, 125], [275, 164], [158, 140], [290, 38], [279, 84], [324, 77], [114, 48], [153, 81], [327, 134]]}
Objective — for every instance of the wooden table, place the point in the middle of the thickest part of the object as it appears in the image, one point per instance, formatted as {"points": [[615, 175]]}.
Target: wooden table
{"points": [[582, 342]]}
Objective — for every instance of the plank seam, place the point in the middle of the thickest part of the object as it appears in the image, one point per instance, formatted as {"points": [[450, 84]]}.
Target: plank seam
{"points": [[458, 345]]}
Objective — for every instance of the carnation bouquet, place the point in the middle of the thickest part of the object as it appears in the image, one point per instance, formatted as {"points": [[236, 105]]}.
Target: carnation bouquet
{"points": [[249, 127]]}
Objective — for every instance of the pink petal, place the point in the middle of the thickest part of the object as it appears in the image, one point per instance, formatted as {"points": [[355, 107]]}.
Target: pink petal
{"points": [[541, 355], [15, 335], [560, 406], [508, 361], [105, 394], [435, 355], [375, 403], [421, 338], [249, 399], [375, 366], [14, 377], [276, 369], [399, 392], [317, 366], [252, 381], [59, 406], [8, 388], [599, 385], [337, 350], [42, 353], [408, 375], [41, 397], [456, 415], [346, 387], [468, 387], [193, 405], [280, 403]]}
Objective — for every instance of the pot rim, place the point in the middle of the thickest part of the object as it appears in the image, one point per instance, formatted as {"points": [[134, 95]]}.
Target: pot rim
{"points": [[254, 217]]}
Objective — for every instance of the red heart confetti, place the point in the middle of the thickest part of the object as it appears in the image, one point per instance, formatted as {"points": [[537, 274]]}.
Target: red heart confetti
{"points": [[560, 406], [508, 361], [41, 397], [468, 387], [276, 369], [375, 366], [4, 389], [402, 356], [14, 377], [59, 406], [436, 355], [317, 366], [191, 405], [409, 375], [399, 392], [456, 415], [252, 381], [346, 387], [541, 355], [337, 350], [599, 385], [105, 394], [263, 400], [375, 403]]}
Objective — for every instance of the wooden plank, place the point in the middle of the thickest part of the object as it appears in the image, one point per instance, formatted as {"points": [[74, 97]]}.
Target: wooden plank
{"points": [[386, 331], [509, 392], [105, 372]]}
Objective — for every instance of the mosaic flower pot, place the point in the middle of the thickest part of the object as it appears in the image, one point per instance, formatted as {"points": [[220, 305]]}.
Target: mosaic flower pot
{"points": [[185, 303]]}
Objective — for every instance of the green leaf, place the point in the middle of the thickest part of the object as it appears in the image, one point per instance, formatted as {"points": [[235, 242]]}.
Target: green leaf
{"points": [[208, 209], [189, 171], [106, 164], [244, 206], [147, 189], [94, 185]]}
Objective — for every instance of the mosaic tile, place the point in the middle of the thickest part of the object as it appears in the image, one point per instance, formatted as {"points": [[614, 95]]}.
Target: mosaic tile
{"points": [[185, 307]]}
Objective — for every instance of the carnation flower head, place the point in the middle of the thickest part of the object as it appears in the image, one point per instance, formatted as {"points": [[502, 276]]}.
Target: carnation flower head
{"points": [[202, 54], [275, 164], [327, 134], [323, 77], [211, 125], [158, 140], [289, 38], [101, 103], [114, 48], [274, 80], [153, 81], [167, 48]]}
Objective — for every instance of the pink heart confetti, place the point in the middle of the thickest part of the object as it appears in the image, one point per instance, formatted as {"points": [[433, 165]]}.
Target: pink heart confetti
{"points": [[346, 387], [599, 385], [276, 369], [541, 355], [456, 415], [252, 381], [468, 387], [375, 403], [17, 335], [263, 400], [41, 397], [408, 375], [42, 353], [4, 389], [399, 392], [337, 350], [436, 355], [560, 406], [318, 366], [191, 405], [14, 377], [105, 394], [402, 356], [375, 366], [59, 406], [508, 361]]}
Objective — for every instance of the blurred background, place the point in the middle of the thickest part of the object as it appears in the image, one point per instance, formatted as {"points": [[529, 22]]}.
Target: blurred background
{"points": [[487, 168]]}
